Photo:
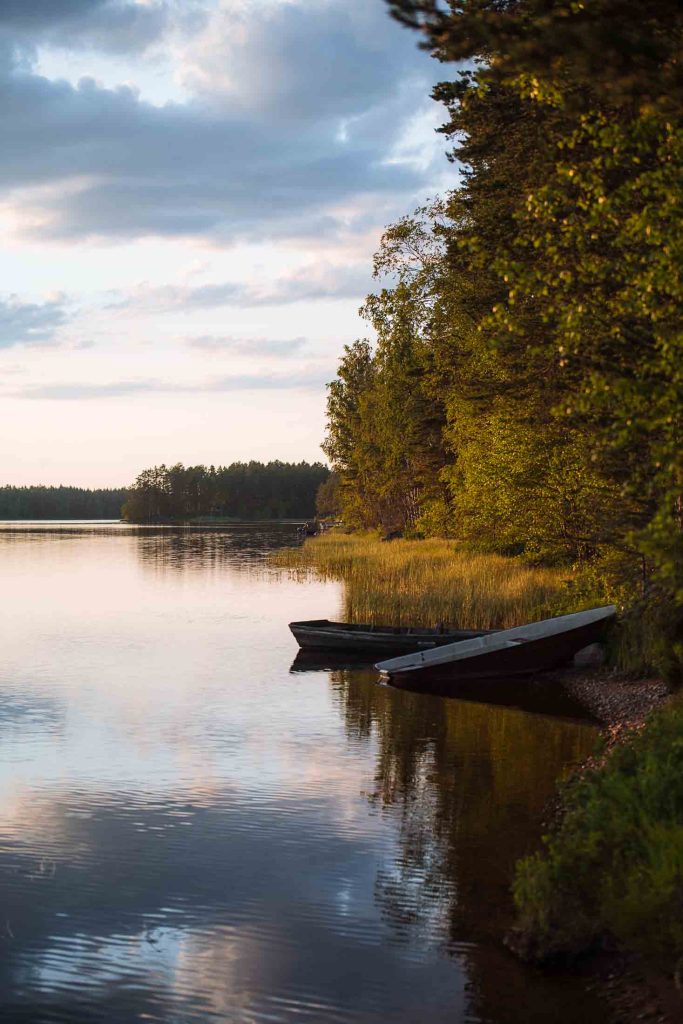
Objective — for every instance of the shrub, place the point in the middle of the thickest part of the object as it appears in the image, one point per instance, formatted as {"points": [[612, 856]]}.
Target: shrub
{"points": [[613, 865]]}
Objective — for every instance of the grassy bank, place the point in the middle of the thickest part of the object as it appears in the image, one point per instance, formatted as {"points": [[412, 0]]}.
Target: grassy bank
{"points": [[612, 866], [422, 582]]}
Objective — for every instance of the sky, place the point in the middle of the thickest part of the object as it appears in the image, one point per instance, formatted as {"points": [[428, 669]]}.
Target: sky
{"points": [[191, 192]]}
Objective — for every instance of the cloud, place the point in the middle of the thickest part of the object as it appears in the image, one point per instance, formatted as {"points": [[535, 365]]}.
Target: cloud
{"points": [[307, 380], [247, 346], [66, 392], [30, 323], [110, 26], [300, 60], [311, 282], [296, 109]]}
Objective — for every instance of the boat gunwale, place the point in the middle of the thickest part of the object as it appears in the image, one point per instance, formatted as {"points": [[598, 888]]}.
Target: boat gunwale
{"points": [[317, 626]]}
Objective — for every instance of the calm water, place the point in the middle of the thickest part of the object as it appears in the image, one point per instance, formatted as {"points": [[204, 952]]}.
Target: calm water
{"points": [[190, 832]]}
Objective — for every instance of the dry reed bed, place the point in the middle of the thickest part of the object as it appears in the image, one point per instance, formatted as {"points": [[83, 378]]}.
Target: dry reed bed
{"points": [[423, 582]]}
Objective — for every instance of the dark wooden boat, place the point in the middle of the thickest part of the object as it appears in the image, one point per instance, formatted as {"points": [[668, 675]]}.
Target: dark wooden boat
{"points": [[346, 636], [525, 650]]}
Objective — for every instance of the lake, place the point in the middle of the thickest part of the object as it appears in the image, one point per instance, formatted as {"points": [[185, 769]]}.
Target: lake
{"points": [[191, 832]]}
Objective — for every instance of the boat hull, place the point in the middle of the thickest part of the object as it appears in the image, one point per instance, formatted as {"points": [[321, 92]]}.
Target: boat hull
{"points": [[522, 652], [321, 634]]}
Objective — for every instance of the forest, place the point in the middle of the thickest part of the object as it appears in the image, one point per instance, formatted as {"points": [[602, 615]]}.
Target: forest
{"points": [[61, 502], [243, 490], [523, 391]]}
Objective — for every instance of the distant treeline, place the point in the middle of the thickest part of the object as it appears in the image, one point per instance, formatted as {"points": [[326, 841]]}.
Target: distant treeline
{"points": [[243, 490], [61, 502]]}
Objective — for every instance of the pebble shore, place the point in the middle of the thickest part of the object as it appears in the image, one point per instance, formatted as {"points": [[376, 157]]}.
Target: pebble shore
{"points": [[617, 703]]}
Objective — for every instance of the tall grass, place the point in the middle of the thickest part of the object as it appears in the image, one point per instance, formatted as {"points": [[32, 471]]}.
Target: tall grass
{"points": [[424, 582]]}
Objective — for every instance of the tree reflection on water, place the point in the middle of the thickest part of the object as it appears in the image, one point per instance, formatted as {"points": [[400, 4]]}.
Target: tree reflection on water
{"points": [[469, 784]]}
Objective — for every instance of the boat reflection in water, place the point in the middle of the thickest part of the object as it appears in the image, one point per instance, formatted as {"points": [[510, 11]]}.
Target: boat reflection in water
{"points": [[539, 694], [331, 661]]}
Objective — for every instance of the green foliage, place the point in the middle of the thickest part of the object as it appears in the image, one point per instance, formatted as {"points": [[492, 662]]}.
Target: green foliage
{"points": [[61, 502], [244, 490], [647, 640], [625, 51], [385, 422], [328, 498], [614, 863], [608, 290], [525, 393], [553, 339]]}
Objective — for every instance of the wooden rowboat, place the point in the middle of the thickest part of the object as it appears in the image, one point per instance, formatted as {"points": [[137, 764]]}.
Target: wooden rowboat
{"points": [[351, 637], [536, 647]]}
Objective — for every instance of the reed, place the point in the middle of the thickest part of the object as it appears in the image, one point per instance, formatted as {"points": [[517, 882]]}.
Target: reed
{"points": [[424, 582]]}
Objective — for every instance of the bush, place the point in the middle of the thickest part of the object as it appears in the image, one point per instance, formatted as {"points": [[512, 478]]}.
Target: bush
{"points": [[613, 866], [648, 637]]}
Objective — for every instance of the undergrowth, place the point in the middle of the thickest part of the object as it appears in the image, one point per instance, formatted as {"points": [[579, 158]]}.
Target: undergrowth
{"points": [[648, 637], [613, 865]]}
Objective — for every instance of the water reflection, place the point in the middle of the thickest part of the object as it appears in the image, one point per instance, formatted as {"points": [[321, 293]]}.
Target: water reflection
{"points": [[190, 832], [188, 549], [540, 694], [332, 661], [469, 783]]}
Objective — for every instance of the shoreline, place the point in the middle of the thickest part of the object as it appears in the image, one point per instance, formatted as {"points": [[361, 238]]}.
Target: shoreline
{"points": [[422, 582], [618, 704], [633, 987]]}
